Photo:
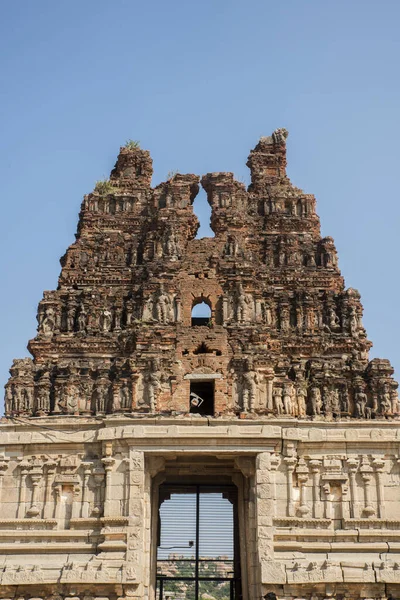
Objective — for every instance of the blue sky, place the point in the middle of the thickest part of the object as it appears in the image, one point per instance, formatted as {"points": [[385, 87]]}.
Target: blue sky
{"points": [[198, 83]]}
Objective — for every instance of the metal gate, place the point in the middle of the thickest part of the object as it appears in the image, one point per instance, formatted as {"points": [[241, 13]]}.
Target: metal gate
{"points": [[198, 550]]}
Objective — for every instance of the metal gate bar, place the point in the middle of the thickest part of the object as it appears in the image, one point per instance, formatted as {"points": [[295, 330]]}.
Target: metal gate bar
{"points": [[234, 582]]}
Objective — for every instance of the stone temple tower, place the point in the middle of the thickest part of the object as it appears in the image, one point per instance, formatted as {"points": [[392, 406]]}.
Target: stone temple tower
{"points": [[200, 419]]}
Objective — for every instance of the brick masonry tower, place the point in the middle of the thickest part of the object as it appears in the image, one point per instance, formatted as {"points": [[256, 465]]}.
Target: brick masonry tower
{"points": [[134, 397]]}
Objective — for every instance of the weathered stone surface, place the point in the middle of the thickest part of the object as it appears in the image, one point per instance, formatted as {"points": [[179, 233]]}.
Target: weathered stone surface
{"points": [[301, 421]]}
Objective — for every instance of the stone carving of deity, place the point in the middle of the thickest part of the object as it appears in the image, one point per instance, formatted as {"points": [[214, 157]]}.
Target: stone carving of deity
{"points": [[49, 320], [249, 387], [105, 320], [316, 401], [244, 305], [277, 399]]}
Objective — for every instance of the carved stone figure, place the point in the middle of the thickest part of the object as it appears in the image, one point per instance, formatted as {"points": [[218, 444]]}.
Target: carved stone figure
{"points": [[385, 401], [280, 135], [333, 319], [277, 399], [163, 306], [287, 393], [82, 318], [48, 324], [101, 395], [231, 247], [284, 317], [301, 396], [43, 394], [170, 246], [125, 396], [353, 322], [360, 402], [267, 312], [105, 320], [71, 315], [316, 400], [249, 387], [244, 305], [154, 380]]}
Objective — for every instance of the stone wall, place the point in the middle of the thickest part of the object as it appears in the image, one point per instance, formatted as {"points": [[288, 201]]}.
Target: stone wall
{"points": [[300, 420], [321, 504]]}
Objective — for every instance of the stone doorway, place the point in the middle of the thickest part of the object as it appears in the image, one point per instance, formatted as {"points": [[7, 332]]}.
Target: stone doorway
{"points": [[198, 542]]}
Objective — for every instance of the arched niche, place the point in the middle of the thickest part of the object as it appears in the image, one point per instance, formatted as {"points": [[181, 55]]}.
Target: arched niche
{"points": [[201, 312]]}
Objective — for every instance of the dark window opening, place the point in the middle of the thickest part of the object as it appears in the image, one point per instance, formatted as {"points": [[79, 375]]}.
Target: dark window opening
{"points": [[198, 549], [202, 397], [201, 315]]}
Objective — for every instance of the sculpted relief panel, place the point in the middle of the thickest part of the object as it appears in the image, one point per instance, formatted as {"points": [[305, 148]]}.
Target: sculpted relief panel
{"points": [[280, 365]]}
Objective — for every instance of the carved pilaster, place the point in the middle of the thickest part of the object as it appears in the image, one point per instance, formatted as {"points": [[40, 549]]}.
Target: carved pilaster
{"points": [[315, 467], [4, 460], [367, 473], [87, 471], [302, 478], [135, 558], [24, 470], [290, 462], [352, 464], [36, 474], [379, 466], [108, 463], [98, 476], [48, 505]]}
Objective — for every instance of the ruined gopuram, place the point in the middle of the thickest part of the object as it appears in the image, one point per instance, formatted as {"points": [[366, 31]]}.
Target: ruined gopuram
{"points": [[200, 419]]}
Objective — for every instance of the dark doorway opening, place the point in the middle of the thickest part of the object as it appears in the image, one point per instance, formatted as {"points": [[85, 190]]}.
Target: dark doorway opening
{"points": [[198, 543], [202, 397]]}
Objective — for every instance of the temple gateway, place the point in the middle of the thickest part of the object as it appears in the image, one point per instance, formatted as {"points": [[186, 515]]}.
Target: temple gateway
{"points": [[200, 419]]}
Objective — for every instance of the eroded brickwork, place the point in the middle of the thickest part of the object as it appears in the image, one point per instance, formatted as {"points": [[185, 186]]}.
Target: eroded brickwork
{"points": [[284, 333], [297, 416]]}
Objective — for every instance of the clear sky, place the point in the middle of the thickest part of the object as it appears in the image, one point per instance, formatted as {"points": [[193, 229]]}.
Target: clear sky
{"points": [[198, 82]]}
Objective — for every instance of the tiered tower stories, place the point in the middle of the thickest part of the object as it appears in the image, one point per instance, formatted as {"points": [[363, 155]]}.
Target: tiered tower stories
{"points": [[284, 335], [273, 389]]}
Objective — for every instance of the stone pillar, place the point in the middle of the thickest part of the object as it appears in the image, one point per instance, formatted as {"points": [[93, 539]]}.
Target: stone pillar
{"points": [[76, 505], [134, 384], [269, 379], [345, 503], [274, 464], [34, 510], [302, 478], [366, 473], [137, 556], [4, 460], [326, 488], [315, 466], [352, 464], [178, 304], [290, 465], [264, 477], [108, 463], [24, 469], [48, 505], [379, 465], [98, 475], [154, 477], [225, 309], [87, 470], [58, 497]]}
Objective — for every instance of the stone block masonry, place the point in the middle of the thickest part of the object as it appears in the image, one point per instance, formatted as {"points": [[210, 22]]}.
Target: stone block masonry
{"points": [[274, 392]]}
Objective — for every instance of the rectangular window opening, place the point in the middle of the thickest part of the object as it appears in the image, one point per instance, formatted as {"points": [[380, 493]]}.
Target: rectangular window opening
{"points": [[202, 397]]}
